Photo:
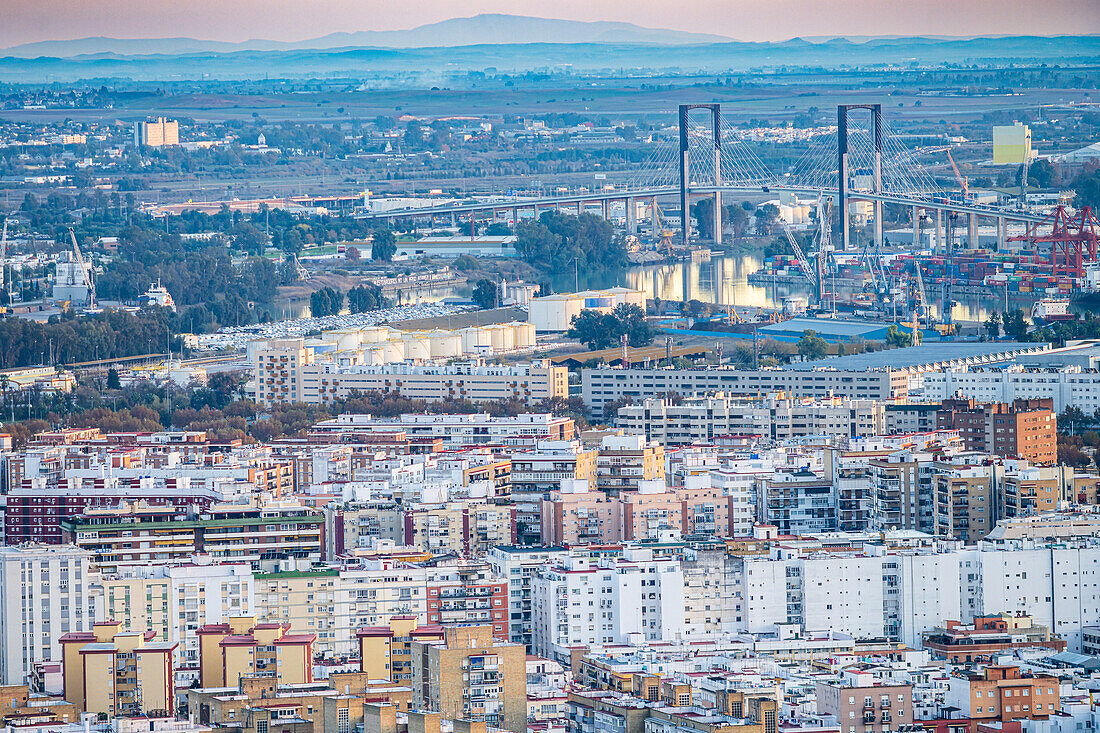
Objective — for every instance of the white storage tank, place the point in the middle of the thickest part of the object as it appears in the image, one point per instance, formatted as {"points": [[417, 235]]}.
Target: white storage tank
{"points": [[375, 354], [373, 334], [523, 334], [554, 313], [444, 344], [417, 346], [394, 350], [501, 338], [345, 339], [476, 340]]}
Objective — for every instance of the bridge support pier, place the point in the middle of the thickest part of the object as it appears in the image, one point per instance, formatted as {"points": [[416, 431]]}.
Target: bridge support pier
{"points": [[685, 161], [916, 227], [941, 247], [606, 210], [1002, 232], [654, 223], [631, 215], [972, 230], [718, 217], [842, 167]]}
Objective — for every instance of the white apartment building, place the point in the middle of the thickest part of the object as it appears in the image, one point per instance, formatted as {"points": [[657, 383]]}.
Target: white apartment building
{"points": [[1068, 385], [605, 384], [702, 419], [453, 430], [584, 601], [518, 566], [45, 592], [287, 371], [1057, 585], [174, 601]]}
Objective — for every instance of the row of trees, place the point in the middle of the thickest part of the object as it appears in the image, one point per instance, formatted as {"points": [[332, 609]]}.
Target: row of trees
{"points": [[558, 243], [361, 299]]}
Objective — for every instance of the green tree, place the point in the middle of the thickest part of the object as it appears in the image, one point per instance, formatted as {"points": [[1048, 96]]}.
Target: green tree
{"points": [[383, 245], [112, 379], [767, 216], [325, 302], [1014, 325], [896, 338], [1087, 187], [812, 347], [486, 294], [366, 297], [1041, 174], [604, 330], [993, 325], [248, 238]]}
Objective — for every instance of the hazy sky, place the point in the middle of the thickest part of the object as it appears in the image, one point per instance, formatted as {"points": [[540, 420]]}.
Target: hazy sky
{"points": [[22, 21]]}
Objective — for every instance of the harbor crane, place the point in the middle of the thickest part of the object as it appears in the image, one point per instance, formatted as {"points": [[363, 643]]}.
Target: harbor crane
{"points": [[85, 269]]}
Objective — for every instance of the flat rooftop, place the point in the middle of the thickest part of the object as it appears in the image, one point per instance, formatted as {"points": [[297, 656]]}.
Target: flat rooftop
{"points": [[926, 356]]}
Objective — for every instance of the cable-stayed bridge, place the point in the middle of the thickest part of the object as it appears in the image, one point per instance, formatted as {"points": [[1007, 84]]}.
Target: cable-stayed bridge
{"points": [[864, 161]]}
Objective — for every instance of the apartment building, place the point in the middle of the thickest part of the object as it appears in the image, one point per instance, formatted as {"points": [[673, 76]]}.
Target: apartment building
{"points": [[1026, 491], [259, 533], [1063, 386], [585, 601], [859, 702], [258, 704], [604, 385], [45, 592], [455, 431], [963, 506], [1024, 428], [385, 651], [517, 566], [287, 371], [625, 460], [470, 675], [702, 419], [988, 637], [466, 529], [52, 484], [114, 672], [1002, 693], [539, 470], [173, 601], [243, 648], [798, 503], [157, 133], [902, 491], [333, 603]]}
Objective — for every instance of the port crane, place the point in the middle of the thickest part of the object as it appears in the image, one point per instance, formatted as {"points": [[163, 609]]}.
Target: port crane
{"points": [[803, 261], [85, 270]]}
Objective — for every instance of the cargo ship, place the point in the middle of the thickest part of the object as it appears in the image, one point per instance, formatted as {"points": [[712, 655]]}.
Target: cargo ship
{"points": [[1052, 309]]}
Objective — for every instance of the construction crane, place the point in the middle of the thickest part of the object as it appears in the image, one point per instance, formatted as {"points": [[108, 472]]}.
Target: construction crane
{"points": [[665, 245], [85, 269], [302, 272], [3, 261], [803, 262], [964, 182]]}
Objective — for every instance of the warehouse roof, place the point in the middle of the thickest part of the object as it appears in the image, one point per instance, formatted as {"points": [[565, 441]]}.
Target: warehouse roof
{"points": [[927, 356], [845, 327]]}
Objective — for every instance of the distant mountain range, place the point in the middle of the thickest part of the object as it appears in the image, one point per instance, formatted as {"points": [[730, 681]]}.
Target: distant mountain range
{"points": [[486, 29], [431, 54]]}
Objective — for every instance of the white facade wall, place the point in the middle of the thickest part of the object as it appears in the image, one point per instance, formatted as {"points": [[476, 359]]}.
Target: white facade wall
{"points": [[1068, 386], [928, 593], [44, 594], [846, 598], [1058, 587], [583, 602]]}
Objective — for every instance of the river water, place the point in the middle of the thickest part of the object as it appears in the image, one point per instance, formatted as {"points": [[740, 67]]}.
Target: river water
{"points": [[723, 280]]}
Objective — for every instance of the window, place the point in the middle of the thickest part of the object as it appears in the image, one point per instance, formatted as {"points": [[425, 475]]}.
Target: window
{"points": [[261, 726]]}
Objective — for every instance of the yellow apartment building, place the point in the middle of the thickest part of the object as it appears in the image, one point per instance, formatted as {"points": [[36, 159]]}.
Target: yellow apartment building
{"points": [[117, 673], [244, 648]]}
